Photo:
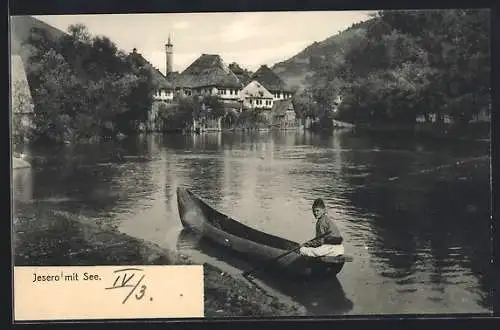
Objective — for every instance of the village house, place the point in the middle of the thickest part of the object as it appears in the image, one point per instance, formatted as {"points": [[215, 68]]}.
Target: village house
{"points": [[283, 115], [272, 82], [256, 96], [209, 75], [164, 89], [163, 94]]}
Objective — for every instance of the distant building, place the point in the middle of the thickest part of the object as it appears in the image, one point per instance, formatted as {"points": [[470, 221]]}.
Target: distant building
{"points": [[164, 89], [169, 52], [256, 96], [209, 75], [283, 114], [272, 82], [236, 87]]}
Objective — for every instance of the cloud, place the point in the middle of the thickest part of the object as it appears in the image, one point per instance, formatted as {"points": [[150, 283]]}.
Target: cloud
{"points": [[182, 25], [181, 60], [242, 27], [253, 58], [248, 58]]}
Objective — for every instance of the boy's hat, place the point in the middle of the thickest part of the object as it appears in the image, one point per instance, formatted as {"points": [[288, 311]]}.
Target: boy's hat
{"points": [[318, 203]]}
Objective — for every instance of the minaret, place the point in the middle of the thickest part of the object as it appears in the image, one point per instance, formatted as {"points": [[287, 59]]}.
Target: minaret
{"points": [[169, 56]]}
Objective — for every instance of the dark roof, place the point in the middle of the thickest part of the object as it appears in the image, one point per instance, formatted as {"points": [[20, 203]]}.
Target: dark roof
{"points": [[158, 77], [244, 78], [172, 77], [280, 107], [243, 75], [208, 70], [270, 80]]}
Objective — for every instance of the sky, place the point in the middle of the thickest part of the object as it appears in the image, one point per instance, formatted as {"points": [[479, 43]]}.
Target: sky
{"points": [[250, 39]]}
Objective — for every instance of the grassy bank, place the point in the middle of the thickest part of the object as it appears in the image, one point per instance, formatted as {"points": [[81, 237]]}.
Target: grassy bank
{"points": [[43, 236]]}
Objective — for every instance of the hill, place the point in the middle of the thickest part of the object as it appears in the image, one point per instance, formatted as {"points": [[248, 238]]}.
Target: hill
{"points": [[20, 28], [297, 70], [399, 68]]}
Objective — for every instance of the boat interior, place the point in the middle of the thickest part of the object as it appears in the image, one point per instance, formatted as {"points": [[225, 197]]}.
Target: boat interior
{"points": [[236, 228]]}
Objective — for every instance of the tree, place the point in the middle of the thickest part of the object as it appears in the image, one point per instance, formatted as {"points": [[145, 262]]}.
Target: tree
{"points": [[84, 87], [409, 63], [213, 106]]}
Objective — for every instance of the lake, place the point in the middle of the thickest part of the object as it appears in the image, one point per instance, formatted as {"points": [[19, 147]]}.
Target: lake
{"points": [[415, 215]]}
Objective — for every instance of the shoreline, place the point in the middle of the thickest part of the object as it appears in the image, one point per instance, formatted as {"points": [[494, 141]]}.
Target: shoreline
{"points": [[413, 133], [97, 244]]}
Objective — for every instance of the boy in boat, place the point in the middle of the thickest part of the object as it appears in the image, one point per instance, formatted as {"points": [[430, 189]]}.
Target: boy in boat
{"points": [[330, 245]]}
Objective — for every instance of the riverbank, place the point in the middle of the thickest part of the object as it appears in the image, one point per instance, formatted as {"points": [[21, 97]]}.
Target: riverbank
{"points": [[65, 238], [479, 132]]}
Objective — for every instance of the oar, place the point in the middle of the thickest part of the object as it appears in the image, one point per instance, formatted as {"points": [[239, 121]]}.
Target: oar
{"points": [[245, 274]]}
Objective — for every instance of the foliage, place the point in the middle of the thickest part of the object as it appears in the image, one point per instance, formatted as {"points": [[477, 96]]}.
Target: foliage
{"points": [[21, 112], [250, 118], [84, 87], [403, 64]]}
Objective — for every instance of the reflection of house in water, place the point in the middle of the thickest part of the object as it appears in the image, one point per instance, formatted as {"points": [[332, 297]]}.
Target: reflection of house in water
{"points": [[482, 116], [210, 141]]}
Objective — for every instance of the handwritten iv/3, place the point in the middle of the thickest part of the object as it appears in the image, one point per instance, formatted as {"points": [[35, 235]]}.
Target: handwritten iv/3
{"points": [[108, 292]]}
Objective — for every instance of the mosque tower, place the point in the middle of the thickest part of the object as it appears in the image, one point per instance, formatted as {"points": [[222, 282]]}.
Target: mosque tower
{"points": [[169, 56]]}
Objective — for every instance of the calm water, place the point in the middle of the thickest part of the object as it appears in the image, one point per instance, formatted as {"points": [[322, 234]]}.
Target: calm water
{"points": [[414, 217]]}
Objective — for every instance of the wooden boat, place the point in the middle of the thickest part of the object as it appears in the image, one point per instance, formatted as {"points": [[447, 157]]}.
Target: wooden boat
{"points": [[203, 219]]}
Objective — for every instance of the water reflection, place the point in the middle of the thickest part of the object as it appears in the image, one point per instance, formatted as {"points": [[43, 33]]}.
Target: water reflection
{"points": [[319, 297], [412, 236]]}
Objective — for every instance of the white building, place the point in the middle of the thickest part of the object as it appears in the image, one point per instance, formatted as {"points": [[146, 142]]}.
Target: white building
{"points": [[256, 96]]}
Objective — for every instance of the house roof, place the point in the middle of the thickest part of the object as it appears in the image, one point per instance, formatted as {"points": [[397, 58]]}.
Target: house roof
{"points": [[158, 78], [271, 81], [172, 77], [243, 75], [280, 107], [208, 70], [257, 90]]}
